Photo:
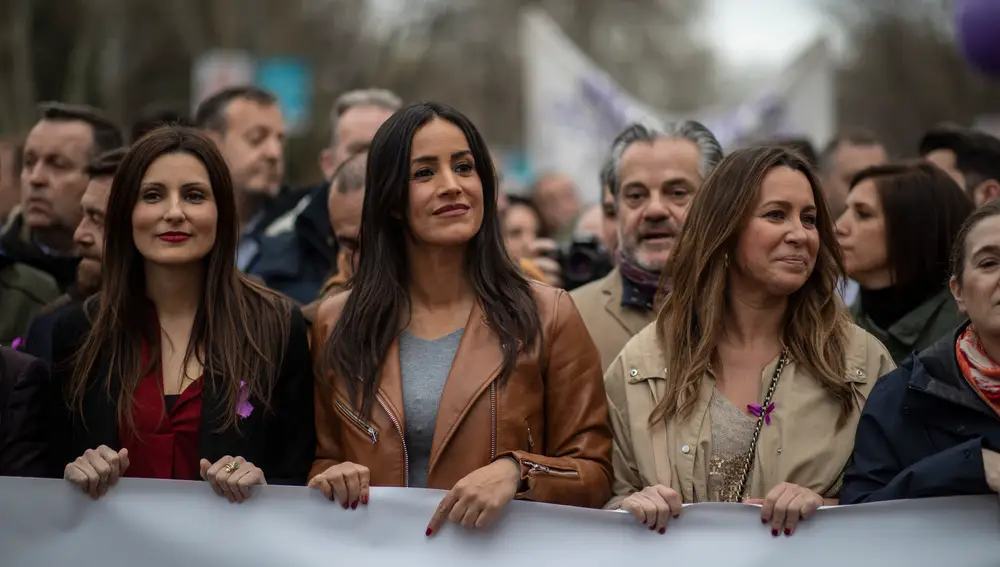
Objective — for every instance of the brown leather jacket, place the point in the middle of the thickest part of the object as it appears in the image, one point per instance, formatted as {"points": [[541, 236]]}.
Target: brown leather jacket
{"points": [[551, 416]]}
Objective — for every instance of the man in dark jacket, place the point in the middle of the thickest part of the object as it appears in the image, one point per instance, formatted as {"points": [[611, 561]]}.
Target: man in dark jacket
{"points": [[53, 178], [22, 379], [297, 251]]}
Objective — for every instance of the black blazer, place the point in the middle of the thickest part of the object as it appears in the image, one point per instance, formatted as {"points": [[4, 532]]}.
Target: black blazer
{"points": [[280, 440], [23, 378]]}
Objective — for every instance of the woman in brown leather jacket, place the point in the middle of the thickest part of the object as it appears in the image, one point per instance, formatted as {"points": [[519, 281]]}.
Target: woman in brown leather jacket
{"points": [[443, 367]]}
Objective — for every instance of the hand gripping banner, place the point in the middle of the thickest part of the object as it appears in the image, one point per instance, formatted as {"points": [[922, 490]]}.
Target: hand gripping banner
{"points": [[166, 524]]}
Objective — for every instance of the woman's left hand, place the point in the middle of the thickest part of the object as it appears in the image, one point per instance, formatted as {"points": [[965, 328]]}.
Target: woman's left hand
{"points": [[477, 499], [232, 477], [785, 505]]}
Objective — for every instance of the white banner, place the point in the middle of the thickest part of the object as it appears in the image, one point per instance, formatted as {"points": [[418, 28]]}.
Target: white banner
{"points": [[574, 109], [167, 524]]}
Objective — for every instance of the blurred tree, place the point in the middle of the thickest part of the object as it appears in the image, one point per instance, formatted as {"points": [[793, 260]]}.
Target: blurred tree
{"points": [[126, 55], [903, 72]]}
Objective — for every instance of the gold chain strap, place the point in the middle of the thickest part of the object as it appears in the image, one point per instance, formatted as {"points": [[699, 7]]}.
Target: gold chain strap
{"points": [[748, 462]]}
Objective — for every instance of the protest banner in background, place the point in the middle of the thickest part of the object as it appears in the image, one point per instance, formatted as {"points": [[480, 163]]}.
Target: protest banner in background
{"points": [[574, 109], [157, 523]]}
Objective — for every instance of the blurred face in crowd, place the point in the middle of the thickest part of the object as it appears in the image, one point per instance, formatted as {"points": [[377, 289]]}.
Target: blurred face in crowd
{"points": [[53, 174], [861, 234], [557, 201], [658, 181], [520, 228], [945, 159], [609, 222], [89, 235], [978, 292], [777, 249], [355, 129], [174, 220], [345, 219], [254, 146], [848, 160], [446, 193], [591, 222]]}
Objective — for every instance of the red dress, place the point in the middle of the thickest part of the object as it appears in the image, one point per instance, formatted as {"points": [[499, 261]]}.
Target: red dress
{"points": [[164, 443]]}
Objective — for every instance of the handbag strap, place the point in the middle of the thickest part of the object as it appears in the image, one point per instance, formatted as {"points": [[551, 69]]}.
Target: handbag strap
{"points": [[752, 453]]}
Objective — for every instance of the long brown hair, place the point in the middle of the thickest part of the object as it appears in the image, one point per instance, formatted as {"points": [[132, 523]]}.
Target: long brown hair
{"points": [[240, 329], [693, 315]]}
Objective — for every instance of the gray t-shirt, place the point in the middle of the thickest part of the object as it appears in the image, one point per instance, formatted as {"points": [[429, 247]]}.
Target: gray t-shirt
{"points": [[424, 366]]}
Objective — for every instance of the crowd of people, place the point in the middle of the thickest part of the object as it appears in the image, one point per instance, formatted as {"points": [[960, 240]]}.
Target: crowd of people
{"points": [[721, 327]]}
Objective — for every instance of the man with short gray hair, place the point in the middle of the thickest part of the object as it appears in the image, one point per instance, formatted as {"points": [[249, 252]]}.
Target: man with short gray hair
{"points": [[653, 174], [300, 249], [354, 119]]}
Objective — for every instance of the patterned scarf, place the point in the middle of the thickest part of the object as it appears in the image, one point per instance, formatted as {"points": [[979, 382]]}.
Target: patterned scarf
{"points": [[979, 370], [648, 282]]}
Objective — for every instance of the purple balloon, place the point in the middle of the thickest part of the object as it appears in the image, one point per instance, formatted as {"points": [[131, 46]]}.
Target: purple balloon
{"points": [[978, 33]]}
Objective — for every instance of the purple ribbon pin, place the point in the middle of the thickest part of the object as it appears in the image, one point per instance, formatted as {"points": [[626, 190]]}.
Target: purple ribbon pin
{"points": [[756, 410], [244, 408], [16, 345]]}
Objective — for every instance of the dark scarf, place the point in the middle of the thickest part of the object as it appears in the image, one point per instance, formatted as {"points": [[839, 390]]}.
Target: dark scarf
{"points": [[639, 285]]}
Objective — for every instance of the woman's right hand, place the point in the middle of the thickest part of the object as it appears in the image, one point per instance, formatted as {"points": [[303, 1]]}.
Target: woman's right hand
{"points": [[654, 506], [97, 470], [348, 482]]}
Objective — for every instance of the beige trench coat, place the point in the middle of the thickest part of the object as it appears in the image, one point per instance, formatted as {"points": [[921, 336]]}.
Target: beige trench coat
{"points": [[802, 445]]}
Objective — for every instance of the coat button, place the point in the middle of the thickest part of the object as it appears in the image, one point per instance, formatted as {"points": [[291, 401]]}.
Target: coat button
{"points": [[686, 449], [634, 372], [861, 373], [779, 450]]}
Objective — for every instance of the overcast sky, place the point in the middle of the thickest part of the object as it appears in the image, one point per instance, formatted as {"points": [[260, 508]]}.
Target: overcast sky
{"points": [[760, 32]]}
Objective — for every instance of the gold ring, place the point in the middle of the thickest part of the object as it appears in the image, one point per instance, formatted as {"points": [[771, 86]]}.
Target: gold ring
{"points": [[232, 467]]}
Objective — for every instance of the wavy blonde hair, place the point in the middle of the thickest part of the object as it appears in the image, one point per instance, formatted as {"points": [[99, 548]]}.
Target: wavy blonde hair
{"points": [[693, 313]]}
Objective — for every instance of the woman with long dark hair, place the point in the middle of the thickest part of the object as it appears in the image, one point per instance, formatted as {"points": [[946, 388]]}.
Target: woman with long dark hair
{"points": [[443, 367], [181, 367], [896, 234]]}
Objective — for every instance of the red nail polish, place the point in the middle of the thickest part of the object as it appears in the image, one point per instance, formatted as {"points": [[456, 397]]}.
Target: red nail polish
{"points": [[346, 505], [774, 533], [354, 505], [763, 521], [644, 522], [677, 516], [429, 531], [663, 531], [652, 528], [364, 499], [788, 532]]}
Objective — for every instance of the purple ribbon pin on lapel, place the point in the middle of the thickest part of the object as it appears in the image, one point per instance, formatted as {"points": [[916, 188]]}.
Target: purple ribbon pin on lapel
{"points": [[16, 345], [244, 408], [756, 410]]}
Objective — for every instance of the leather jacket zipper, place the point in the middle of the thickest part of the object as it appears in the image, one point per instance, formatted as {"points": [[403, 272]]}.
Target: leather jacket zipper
{"points": [[493, 421], [543, 469], [402, 438], [531, 441], [360, 423]]}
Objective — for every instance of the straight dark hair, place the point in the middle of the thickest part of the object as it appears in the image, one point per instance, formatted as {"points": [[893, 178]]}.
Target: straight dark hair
{"points": [[379, 298], [240, 329], [923, 209]]}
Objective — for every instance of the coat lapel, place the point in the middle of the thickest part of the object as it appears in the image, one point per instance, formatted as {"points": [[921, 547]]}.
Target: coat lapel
{"points": [[476, 365], [632, 320], [100, 419], [390, 383]]}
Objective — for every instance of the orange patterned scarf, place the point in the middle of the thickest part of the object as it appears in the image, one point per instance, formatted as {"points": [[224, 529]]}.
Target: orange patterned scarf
{"points": [[979, 370]]}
